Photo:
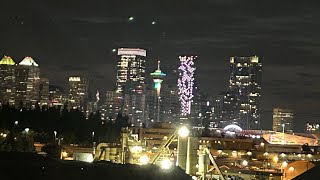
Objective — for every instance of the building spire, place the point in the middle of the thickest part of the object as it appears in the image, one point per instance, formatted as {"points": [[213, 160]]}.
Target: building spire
{"points": [[159, 65]]}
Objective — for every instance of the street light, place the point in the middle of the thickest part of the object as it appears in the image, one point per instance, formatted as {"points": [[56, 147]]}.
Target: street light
{"points": [[283, 133], [144, 160], [166, 164], [284, 164], [245, 163], [291, 168], [55, 136], [183, 132], [27, 130]]}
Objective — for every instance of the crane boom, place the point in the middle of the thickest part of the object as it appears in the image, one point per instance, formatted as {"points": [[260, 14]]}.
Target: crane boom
{"points": [[214, 163]]}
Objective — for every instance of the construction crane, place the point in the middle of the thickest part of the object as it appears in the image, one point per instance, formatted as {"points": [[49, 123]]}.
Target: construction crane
{"points": [[165, 144]]}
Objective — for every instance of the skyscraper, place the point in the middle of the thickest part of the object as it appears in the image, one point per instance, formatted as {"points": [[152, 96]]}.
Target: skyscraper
{"points": [[185, 83], [282, 120], [131, 83], [113, 105], [27, 78], [245, 86], [78, 92], [57, 97], [7, 81], [131, 70], [225, 110], [44, 91]]}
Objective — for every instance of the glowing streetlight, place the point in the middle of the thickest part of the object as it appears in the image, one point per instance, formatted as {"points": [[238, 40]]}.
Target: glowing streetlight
{"points": [[64, 154], [27, 130], [55, 136], [309, 155], [284, 164], [166, 164], [183, 132], [16, 123], [275, 159], [245, 163], [114, 50], [291, 168], [144, 160], [136, 149], [131, 18], [234, 153], [283, 155]]}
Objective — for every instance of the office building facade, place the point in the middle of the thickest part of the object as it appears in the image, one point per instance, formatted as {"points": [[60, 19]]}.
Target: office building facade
{"points": [[78, 92], [245, 86], [131, 83], [282, 120], [27, 76], [7, 81]]}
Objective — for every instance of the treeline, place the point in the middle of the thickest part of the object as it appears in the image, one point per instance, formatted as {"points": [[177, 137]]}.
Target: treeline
{"points": [[70, 126]]}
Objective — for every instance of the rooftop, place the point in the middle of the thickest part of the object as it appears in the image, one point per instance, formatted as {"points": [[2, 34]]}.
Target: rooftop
{"points": [[28, 61], [7, 60]]}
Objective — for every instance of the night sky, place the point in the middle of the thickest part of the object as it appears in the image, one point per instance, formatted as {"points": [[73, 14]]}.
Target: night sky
{"points": [[72, 37]]}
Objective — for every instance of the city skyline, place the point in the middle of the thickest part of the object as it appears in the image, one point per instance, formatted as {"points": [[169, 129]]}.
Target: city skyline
{"points": [[70, 43]]}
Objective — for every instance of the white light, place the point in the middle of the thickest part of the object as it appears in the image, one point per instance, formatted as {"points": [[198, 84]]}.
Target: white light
{"points": [[16, 122], [166, 164], [283, 155], [284, 164], [249, 153], [245, 163], [27, 130], [309, 155], [183, 132], [291, 168], [234, 153], [136, 149], [144, 160]]}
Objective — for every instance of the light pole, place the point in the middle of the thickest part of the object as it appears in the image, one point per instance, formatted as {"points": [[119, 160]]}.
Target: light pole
{"points": [[55, 136], [283, 133], [93, 144]]}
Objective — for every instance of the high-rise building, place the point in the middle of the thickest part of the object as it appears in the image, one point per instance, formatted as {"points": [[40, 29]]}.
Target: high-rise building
{"points": [[225, 110], [57, 97], [44, 91], [78, 92], [282, 120], [312, 128], [27, 82], [186, 83], [245, 86], [131, 70], [113, 105], [131, 83], [7, 81]]}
